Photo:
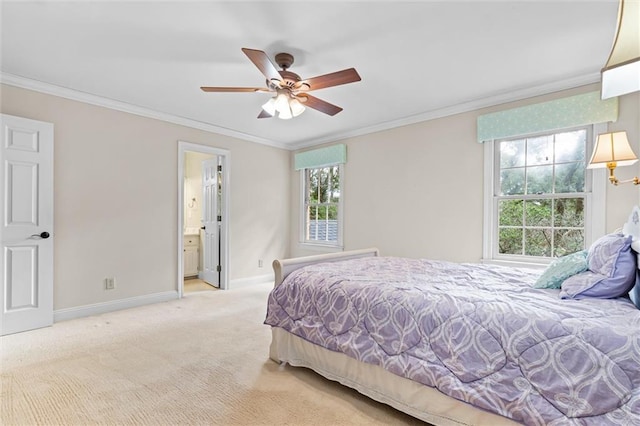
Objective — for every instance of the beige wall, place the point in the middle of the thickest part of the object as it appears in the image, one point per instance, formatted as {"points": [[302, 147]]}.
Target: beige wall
{"points": [[417, 190], [621, 198], [116, 192], [412, 191]]}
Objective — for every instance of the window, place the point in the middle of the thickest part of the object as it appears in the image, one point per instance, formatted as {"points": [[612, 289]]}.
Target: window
{"points": [[321, 172], [541, 203], [322, 205]]}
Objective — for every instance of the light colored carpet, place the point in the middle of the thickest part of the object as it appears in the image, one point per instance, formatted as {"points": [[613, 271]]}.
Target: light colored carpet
{"points": [[199, 360]]}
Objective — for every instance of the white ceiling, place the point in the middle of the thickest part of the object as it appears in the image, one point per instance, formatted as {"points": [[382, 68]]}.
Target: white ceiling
{"points": [[417, 60]]}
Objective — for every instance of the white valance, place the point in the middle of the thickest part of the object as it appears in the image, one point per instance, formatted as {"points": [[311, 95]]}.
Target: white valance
{"points": [[573, 111]]}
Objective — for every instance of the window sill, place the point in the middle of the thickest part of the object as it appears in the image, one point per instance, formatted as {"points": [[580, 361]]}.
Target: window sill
{"points": [[326, 248], [540, 264]]}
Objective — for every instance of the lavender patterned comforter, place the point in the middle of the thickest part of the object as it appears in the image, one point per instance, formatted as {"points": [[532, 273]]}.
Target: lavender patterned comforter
{"points": [[478, 333]]}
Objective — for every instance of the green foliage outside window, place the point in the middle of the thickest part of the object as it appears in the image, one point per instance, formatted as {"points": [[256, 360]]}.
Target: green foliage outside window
{"points": [[322, 197], [541, 195]]}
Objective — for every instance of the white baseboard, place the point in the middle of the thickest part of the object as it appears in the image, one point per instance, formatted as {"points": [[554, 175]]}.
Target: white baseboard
{"points": [[245, 282], [114, 305], [132, 302]]}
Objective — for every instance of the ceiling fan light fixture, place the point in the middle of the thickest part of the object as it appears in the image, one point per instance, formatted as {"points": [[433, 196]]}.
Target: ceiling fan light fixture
{"points": [[284, 105], [282, 102], [296, 107], [286, 113], [270, 107]]}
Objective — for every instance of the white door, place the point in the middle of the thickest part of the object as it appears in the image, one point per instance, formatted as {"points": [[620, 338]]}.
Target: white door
{"points": [[211, 246], [26, 222]]}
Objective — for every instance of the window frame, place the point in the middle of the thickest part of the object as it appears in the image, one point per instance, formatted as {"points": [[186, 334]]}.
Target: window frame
{"points": [[321, 245], [595, 194]]}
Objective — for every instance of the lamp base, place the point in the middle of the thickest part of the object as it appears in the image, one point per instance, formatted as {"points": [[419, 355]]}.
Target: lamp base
{"points": [[614, 180]]}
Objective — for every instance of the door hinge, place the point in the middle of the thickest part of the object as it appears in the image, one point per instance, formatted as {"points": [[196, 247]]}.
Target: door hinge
{"points": [[219, 168], [219, 218], [218, 268]]}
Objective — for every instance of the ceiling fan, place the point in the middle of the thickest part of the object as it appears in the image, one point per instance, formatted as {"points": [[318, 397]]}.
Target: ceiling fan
{"points": [[291, 91]]}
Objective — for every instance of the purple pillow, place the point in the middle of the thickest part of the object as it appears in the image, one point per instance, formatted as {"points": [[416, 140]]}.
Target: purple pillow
{"points": [[634, 294], [611, 274]]}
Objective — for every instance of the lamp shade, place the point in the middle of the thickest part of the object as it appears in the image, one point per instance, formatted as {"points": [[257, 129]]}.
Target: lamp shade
{"points": [[612, 147], [621, 74]]}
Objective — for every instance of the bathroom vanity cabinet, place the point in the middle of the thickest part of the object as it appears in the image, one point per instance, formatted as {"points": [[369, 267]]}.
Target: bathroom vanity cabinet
{"points": [[191, 255]]}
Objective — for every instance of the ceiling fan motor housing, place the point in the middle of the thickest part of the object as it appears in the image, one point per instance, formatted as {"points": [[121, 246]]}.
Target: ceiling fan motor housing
{"points": [[289, 79], [284, 60]]}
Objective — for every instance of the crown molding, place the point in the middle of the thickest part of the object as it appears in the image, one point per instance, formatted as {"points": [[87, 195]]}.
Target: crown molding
{"points": [[75, 95], [512, 96], [477, 104]]}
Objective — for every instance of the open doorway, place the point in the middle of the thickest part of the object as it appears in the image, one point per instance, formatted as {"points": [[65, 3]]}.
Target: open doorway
{"points": [[203, 211], [201, 236]]}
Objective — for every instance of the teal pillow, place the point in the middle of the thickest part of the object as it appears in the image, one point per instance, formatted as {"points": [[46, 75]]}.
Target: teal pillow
{"points": [[561, 269]]}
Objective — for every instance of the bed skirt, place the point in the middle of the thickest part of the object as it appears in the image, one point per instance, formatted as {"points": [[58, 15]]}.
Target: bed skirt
{"points": [[425, 403]]}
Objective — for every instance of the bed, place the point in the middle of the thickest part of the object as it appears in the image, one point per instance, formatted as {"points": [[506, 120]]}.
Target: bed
{"points": [[470, 344]]}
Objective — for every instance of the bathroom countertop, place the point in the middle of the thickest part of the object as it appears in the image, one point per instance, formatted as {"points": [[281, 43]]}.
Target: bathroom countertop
{"points": [[191, 231]]}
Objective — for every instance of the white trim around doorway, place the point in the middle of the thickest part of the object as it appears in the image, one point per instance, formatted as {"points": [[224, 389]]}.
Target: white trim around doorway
{"points": [[225, 156]]}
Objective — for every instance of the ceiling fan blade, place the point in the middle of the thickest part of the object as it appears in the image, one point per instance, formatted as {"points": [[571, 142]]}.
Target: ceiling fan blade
{"points": [[234, 89], [329, 80], [319, 104], [264, 114], [261, 60]]}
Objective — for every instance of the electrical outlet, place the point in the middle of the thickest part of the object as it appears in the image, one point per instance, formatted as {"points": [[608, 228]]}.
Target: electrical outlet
{"points": [[109, 283], [260, 263]]}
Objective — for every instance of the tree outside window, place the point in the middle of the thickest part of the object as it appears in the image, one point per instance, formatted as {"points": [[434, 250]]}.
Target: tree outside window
{"points": [[322, 203], [540, 194]]}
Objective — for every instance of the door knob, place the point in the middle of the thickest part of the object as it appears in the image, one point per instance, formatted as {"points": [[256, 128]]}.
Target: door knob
{"points": [[43, 235]]}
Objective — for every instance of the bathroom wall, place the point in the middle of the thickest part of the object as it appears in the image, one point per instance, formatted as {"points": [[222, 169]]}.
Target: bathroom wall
{"points": [[193, 189]]}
